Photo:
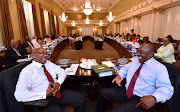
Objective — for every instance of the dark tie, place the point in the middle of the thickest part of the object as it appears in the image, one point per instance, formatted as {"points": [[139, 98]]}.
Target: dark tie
{"points": [[129, 91], [50, 79]]}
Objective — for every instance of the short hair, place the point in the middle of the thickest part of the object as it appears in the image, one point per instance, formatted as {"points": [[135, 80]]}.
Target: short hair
{"points": [[139, 36], [134, 35], [132, 30]]}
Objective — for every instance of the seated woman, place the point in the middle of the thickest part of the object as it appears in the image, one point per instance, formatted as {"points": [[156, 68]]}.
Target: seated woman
{"points": [[166, 52]]}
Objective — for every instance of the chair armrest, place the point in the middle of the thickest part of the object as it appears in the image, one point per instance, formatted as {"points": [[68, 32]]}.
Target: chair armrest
{"points": [[37, 103]]}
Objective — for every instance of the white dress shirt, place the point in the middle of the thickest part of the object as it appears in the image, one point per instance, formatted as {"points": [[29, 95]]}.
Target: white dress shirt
{"points": [[33, 83], [152, 80], [35, 43]]}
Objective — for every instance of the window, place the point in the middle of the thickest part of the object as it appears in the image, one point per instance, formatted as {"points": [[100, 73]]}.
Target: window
{"points": [[46, 18], [29, 18]]}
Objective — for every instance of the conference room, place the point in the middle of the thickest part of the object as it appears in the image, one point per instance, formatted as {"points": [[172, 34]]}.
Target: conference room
{"points": [[92, 51]]}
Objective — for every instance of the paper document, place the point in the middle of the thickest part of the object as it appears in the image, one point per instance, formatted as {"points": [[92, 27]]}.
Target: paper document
{"points": [[108, 63], [103, 74], [72, 70]]}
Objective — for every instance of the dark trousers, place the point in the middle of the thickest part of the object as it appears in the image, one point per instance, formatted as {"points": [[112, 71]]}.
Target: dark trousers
{"points": [[118, 94], [67, 97]]}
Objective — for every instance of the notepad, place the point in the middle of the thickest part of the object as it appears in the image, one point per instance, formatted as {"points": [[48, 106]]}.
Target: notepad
{"points": [[108, 63]]}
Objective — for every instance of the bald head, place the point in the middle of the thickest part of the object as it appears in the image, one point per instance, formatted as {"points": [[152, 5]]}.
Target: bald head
{"points": [[145, 52], [14, 43], [39, 55]]}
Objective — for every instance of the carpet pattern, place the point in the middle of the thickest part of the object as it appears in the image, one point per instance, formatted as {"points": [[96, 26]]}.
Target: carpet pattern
{"points": [[89, 52]]}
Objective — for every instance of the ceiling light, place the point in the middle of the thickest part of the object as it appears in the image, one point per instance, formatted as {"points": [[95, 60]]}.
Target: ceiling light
{"points": [[110, 17], [87, 9], [73, 24], [87, 21], [63, 17], [98, 9], [75, 9], [100, 24]]}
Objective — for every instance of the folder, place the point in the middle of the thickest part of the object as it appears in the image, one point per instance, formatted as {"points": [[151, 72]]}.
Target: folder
{"points": [[101, 68]]}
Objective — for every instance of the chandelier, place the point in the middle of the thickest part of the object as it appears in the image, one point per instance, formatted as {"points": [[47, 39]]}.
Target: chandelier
{"points": [[63, 18], [110, 17], [73, 24], [87, 21], [87, 9], [100, 24]]}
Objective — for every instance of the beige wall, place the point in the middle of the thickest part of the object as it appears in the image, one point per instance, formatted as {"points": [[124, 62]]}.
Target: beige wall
{"points": [[50, 5]]}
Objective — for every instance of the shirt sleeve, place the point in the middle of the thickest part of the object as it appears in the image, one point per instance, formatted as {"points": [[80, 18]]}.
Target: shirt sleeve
{"points": [[23, 93], [61, 75], [164, 89], [168, 52], [123, 71]]}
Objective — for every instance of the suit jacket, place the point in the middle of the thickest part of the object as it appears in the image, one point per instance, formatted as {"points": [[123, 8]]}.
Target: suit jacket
{"points": [[11, 56], [140, 41], [24, 46]]}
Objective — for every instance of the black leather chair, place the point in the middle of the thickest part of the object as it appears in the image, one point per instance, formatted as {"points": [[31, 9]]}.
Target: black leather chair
{"points": [[8, 80]]}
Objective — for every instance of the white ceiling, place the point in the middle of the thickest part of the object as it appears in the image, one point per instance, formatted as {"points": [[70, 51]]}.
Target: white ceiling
{"points": [[103, 5]]}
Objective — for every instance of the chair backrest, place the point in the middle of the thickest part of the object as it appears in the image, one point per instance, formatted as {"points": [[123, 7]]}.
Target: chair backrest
{"points": [[174, 75], [8, 80], [179, 47]]}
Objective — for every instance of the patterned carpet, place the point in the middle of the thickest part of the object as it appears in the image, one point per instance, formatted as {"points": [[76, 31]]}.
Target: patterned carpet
{"points": [[89, 52]]}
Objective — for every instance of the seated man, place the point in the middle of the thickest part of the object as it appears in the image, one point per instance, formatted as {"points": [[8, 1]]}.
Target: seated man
{"points": [[13, 53], [41, 80], [166, 52], [147, 84], [27, 46]]}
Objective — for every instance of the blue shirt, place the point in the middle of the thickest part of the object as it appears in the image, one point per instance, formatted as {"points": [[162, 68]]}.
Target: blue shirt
{"points": [[152, 80]]}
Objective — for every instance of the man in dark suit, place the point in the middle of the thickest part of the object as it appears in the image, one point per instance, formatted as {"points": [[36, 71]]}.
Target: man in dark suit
{"points": [[13, 53], [27, 46]]}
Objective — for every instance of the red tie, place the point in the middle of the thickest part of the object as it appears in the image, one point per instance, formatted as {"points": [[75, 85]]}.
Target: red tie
{"points": [[50, 79], [129, 91]]}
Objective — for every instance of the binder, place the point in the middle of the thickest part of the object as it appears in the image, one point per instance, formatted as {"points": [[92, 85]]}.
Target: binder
{"points": [[101, 68]]}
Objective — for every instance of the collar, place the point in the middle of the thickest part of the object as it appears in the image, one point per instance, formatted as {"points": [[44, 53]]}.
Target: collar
{"points": [[149, 61], [39, 65]]}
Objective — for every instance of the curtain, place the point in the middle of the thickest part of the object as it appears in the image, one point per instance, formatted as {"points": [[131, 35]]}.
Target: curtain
{"points": [[43, 23], [22, 20], [57, 25], [29, 18], [5, 20], [47, 25], [1, 36], [36, 25], [50, 24], [53, 29]]}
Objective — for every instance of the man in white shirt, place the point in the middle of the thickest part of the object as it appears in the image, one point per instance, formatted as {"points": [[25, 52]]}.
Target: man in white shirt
{"points": [[35, 43], [33, 84]]}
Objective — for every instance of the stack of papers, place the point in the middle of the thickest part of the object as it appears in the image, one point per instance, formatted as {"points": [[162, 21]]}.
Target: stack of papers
{"points": [[102, 70], [72, 70], [108, 63]]}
